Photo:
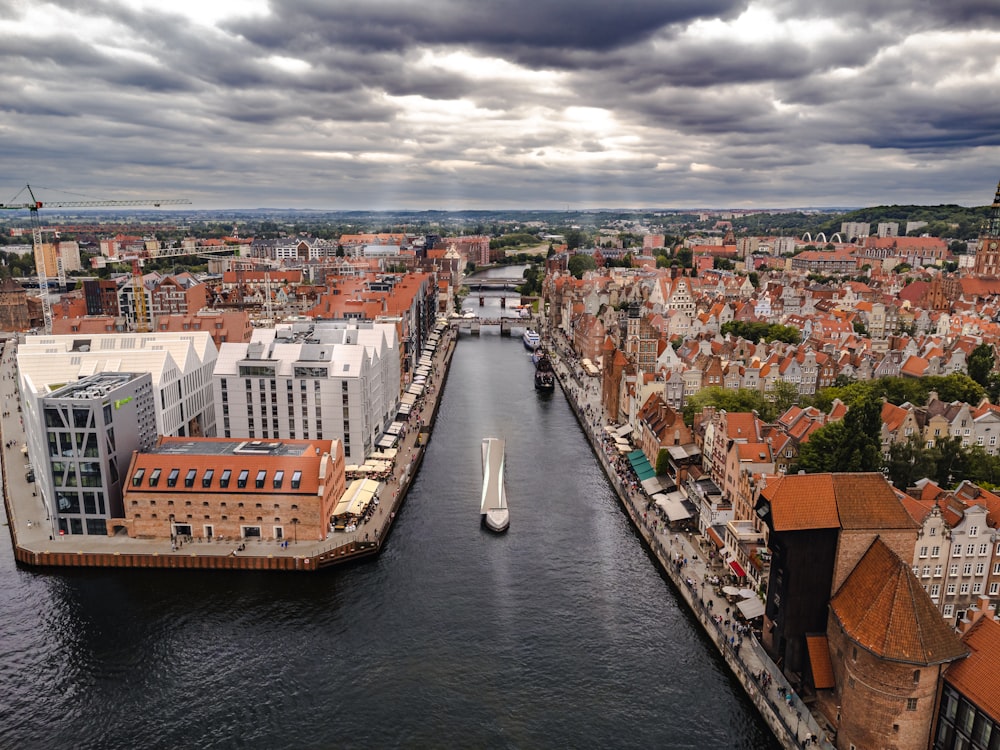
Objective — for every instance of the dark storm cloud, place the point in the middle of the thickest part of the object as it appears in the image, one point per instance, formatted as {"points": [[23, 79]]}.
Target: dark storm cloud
{"points": [[904, 15], [498, 24], [386, 103]]}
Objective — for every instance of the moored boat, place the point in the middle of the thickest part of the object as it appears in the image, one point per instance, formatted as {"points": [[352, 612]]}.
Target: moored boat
{"points": [[545, 376], [531, 339]]}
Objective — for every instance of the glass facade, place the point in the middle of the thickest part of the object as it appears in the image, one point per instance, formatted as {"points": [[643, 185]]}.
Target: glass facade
{"points": [[963, 726]]}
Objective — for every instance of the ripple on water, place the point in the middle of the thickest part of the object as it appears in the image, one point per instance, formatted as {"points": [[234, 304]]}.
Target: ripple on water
{"points": [[560, 633]]}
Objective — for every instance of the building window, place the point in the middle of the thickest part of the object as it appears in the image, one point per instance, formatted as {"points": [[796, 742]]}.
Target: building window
{"points": [[206, 478], [154, 478], [279, 477], [937, 571], [189, 477], [949, 610], [241, 480], [935, 551], [224, 479], [911, 703], [259, 481], [172, 477], [994, 588], [296, 479], [137, 477]]}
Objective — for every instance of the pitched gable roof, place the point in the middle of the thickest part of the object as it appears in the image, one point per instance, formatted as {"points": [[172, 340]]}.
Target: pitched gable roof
{"points": [[883, 608], [978, 677], [831, 501]]}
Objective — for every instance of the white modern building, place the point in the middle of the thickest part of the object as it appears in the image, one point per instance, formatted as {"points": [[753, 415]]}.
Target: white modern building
{"points": [[92, 427], [180, 365], [334, 380]]}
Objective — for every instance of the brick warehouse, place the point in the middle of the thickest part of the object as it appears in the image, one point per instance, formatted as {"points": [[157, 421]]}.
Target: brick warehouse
{"points": [[238, 489]]}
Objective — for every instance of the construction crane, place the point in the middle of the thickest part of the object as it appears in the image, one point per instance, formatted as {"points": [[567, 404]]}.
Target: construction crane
{"points": [[36, 236]]}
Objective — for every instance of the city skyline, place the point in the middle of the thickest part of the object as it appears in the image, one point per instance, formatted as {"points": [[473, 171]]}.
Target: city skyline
{"points": [[455, 105]]}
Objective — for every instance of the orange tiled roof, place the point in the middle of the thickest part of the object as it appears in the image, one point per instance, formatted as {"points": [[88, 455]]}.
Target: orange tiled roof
{"points": [[802, 501], [978, 676], [830, 501], [819, 660], [882, 608]]}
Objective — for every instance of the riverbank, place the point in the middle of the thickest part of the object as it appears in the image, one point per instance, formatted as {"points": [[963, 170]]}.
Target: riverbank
{"points": [[35, 545], [680, 556]]}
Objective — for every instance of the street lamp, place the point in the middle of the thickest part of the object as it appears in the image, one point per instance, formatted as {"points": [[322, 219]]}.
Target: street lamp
{"points": [[295, 530]]}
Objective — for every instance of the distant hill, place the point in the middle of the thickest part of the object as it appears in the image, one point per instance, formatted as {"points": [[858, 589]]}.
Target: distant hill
{"points": [[946, 220]]}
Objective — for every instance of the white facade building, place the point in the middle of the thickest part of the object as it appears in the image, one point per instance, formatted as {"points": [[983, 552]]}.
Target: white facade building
{"points": [[334, 380], [180, 367]]}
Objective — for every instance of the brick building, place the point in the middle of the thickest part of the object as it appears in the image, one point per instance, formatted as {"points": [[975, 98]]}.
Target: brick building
{"points": [[238, 489], [13, 306], [889, 648]]}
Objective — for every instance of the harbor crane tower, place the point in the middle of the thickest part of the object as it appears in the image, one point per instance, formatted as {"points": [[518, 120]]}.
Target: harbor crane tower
{"points": [[36, 235]]}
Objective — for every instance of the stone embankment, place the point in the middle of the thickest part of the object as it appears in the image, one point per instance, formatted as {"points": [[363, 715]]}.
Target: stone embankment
{"points": [[34, 544], [681, 556]]}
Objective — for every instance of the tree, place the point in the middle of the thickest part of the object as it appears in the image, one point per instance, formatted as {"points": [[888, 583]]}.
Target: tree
{"points": [[851, 444], [786, 395], [574, 239], [662, 462], [980, 364], [580, 263], [908, 461]]}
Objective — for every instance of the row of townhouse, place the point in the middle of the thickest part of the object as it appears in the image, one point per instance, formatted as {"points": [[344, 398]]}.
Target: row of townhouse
{"points": [[974, 425], [957, 554]]}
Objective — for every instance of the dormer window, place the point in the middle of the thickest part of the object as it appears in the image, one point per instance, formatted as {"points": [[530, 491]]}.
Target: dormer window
{"points": [[172, 477], [224, 479], [137, 477], [189, 478], [296, 479], [154, 478], [259, 481], [241, 480], [206, 478]]}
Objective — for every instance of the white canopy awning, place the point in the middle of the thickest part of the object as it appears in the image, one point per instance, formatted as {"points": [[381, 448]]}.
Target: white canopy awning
{"points": [[751, 608], [625, 429], [651, 485], [673, 505]]}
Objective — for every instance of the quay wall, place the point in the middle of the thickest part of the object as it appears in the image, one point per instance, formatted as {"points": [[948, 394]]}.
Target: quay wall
{"points": [[203, 556], [786, 729]]}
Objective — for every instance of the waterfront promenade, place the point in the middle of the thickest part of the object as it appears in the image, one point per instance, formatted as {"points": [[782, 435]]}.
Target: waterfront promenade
{"points": [[35, 542], [681, 556]]}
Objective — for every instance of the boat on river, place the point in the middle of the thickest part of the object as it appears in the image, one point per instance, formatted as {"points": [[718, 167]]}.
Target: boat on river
{"points": [[545, 376], [531, 339], [493, 506]]}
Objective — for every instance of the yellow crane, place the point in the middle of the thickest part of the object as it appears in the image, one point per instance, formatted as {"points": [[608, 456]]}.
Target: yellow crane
{"points": [[36, 235]]}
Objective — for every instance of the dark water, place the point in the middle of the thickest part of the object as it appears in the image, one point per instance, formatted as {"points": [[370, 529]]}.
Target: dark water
{"points": [[560, 633]]}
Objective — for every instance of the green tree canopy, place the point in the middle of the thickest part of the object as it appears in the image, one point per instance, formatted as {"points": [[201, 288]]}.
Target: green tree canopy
{"points": [[580, 263], [980, 364], [851, 444]]}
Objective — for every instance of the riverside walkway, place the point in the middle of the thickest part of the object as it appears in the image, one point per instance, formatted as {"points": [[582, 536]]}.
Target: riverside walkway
{"points": [[681, 557], [36, 544]]}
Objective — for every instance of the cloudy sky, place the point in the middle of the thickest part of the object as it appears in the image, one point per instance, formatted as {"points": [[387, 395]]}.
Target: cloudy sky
{"points": [[449, 104]]}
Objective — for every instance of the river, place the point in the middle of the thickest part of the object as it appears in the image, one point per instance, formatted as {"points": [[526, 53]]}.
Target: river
{"points": [[560, 633]]}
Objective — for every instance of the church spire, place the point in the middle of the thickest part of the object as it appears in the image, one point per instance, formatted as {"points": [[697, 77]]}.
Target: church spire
{"points": [[993, 223]]}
